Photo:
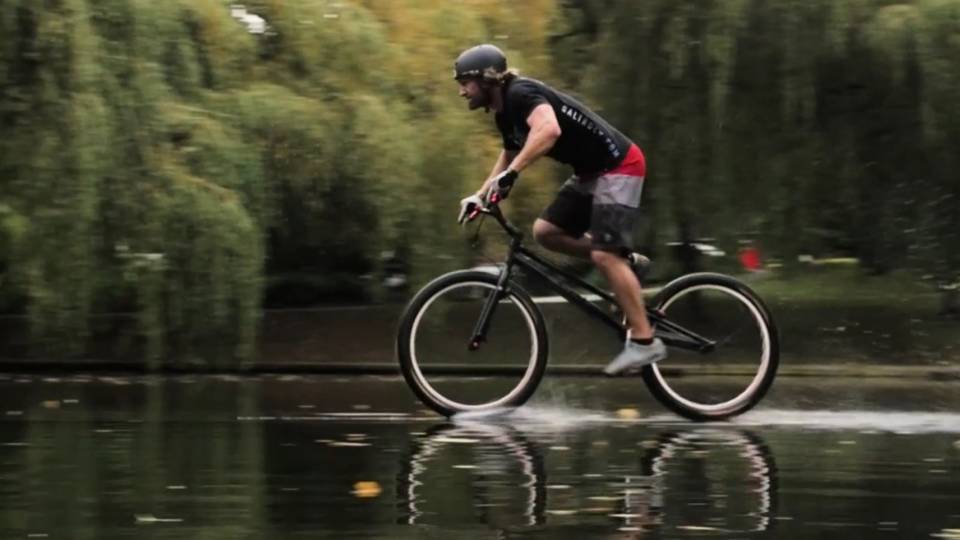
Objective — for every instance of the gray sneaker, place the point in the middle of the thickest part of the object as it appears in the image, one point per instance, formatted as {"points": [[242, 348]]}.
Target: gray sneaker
{"points": [[640, 264], [635, 356]]}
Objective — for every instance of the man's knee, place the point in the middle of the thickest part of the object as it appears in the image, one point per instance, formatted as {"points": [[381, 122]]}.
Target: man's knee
{"points": [[544, 232], [605, 259]]}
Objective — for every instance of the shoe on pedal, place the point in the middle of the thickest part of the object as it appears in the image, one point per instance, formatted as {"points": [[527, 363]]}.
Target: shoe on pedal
{"points": [[635, 355], [639, 263]]}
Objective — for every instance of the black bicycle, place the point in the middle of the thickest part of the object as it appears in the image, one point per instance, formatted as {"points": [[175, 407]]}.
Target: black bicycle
{"points": [[723, 342]]}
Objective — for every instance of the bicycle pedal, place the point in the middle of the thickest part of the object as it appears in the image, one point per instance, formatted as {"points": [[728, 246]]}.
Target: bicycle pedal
{"points": [[640, 264]]}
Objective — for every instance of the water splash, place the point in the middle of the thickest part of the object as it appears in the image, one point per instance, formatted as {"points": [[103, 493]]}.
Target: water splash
{"points": [[537, 418]]}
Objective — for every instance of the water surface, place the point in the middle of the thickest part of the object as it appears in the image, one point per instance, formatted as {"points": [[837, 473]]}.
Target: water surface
{"points": [[328, 457]]}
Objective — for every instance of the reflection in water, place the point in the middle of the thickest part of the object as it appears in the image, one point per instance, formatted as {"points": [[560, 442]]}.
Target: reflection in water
{"points": [[500, 468], [720, 461], [498, 455], [213, 458], [67, 472]]}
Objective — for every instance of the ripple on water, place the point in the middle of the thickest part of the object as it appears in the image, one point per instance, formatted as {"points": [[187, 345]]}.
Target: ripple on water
{"points": [[886, 421]]}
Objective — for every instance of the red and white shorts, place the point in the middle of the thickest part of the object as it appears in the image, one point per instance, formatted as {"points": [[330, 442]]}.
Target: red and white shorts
{"points": [[606, 205]]}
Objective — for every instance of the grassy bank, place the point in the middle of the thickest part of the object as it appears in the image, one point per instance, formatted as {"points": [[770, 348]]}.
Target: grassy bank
{"points": [[841, 314]]}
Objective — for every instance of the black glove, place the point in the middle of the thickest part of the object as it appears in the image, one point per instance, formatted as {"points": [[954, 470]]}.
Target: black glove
{"points": [[501, 186]]}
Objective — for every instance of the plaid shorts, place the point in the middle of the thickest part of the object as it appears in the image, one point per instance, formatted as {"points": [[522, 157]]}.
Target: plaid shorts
{"points": [[606, 205]]}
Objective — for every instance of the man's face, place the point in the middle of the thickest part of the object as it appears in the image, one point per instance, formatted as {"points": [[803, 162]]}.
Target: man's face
{"points": [[475, 94]]}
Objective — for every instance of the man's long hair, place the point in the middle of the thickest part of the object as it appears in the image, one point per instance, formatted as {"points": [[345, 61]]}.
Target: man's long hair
{"points": [[507, 76]]}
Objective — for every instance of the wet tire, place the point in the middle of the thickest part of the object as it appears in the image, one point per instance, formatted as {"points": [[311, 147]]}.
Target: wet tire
{"points": [[733, 377], [433, 345]]}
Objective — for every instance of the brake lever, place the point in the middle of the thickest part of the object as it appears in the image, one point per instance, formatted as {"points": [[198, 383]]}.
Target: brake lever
{"points": [[494, 199]]}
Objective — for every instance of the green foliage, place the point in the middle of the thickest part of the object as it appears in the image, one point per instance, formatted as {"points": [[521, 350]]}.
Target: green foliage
{"points": [[109, 180], [165, 160], [159, 157], [831, 116]]}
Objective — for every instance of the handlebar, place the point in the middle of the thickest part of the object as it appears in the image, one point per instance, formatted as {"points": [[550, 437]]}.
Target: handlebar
{"points": [[493, 209]]}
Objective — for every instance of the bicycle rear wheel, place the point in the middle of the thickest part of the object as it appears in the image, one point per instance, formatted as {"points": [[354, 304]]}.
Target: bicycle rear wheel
{"points": [[433, 345], [736, 373]]}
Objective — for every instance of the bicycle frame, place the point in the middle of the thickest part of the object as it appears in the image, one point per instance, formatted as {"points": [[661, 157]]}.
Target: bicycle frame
{"points": [[564, 283]]}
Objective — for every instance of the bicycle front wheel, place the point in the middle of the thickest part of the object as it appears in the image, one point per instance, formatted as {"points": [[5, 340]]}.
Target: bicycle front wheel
{"points": [[732, 375], [435, 353]]}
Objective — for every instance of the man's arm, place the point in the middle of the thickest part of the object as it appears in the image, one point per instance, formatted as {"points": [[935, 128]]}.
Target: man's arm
{"points": [[544, 132], [506, 156]]}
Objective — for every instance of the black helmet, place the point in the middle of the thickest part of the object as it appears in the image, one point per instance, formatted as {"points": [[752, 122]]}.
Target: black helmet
{"points": [[482, 61]]}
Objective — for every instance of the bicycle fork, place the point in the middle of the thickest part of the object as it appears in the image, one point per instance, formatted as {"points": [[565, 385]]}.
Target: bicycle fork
{"points": [[489, 306]]}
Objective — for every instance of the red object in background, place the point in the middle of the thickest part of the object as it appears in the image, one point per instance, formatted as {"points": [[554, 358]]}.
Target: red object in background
{"points": [[750, 258]]}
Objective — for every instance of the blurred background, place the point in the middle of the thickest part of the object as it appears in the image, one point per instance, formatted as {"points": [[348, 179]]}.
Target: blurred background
{"points": [[184, 182]]}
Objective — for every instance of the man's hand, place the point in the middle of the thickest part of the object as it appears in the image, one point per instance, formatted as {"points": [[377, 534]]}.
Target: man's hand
{"points": [[468, 206], [501, 186]]}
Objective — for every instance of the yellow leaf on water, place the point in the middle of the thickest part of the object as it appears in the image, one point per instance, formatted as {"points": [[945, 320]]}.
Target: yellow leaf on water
{"points": [[366, 489], [348, 444], [628, 414]]}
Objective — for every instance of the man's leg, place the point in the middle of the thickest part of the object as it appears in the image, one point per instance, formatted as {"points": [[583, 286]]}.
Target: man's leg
{"points": [[641, 347], [556, 239], [627, 289], [623, 281], [612, 221]]}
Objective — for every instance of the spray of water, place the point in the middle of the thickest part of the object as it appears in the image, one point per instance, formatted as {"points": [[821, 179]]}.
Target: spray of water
{"points": [[537, 418]]}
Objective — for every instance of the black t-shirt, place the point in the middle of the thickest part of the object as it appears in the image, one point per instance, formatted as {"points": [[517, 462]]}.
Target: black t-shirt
{"points": [[587, 142]]}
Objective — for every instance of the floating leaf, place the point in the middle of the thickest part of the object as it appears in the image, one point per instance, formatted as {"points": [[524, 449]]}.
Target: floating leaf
{"points": [[349, 444], [150, 518], [366, 489]]}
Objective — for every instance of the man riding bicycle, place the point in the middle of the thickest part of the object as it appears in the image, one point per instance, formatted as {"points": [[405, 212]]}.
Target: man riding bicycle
{"points": [[594, 213]]}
